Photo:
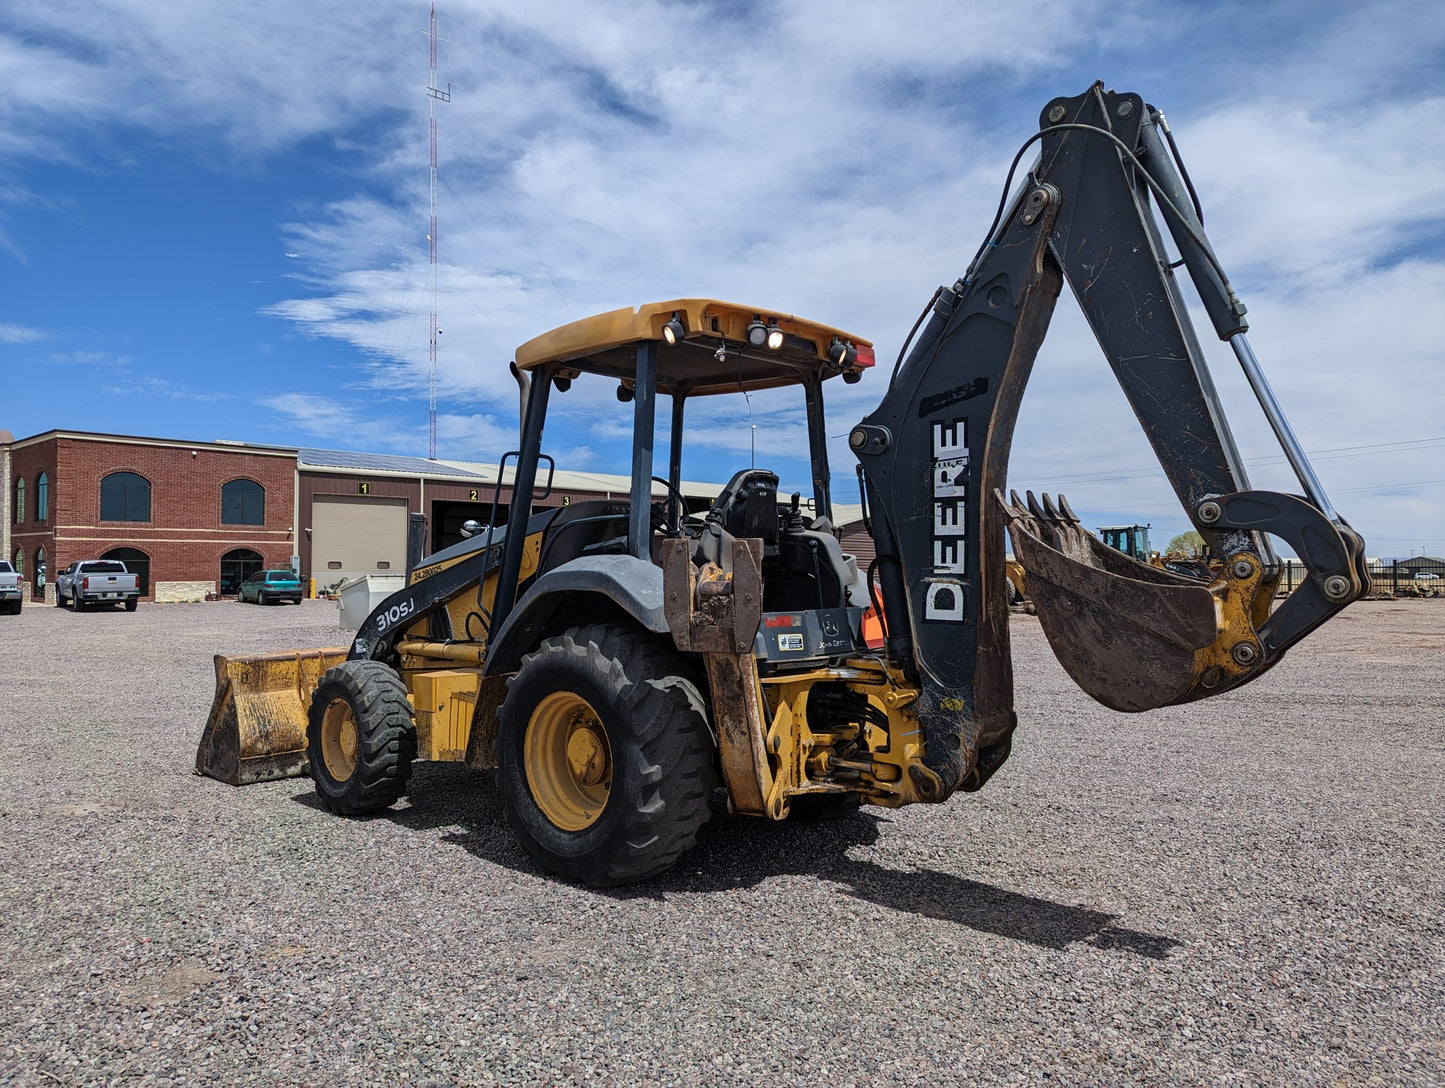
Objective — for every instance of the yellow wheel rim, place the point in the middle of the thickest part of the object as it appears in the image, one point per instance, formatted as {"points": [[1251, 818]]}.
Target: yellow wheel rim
{"points": [[339, 739], [568, 761]]}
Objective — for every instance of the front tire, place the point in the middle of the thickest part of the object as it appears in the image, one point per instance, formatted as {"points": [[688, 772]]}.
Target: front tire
{"points": [[604, 758], [360, 738]]}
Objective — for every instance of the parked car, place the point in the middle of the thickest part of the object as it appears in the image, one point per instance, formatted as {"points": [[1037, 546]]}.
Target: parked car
{"points": [[97, 581], [12, 589], [271, 587], [1426, 576]]}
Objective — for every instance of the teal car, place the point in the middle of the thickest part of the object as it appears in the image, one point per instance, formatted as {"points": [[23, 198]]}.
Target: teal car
{"points": [[271, 587]]}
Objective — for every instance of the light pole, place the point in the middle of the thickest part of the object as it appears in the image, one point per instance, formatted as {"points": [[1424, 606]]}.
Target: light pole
{"points": [[755, 445]]}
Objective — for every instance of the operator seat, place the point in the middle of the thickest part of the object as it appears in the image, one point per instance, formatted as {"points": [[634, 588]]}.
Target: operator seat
{"points": [[748, 507], [802, 568]]}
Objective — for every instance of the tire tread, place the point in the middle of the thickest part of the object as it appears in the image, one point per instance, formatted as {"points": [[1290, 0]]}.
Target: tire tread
{"points": [[386, 735], [664, 793]]}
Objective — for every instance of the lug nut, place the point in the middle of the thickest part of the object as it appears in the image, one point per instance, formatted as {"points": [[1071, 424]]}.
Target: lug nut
{"points": [[1336, 586], [1210, 511], [1244, 653]]}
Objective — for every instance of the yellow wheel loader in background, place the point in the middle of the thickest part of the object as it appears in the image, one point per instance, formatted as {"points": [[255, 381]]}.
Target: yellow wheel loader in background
{"points": [[617, 660]]}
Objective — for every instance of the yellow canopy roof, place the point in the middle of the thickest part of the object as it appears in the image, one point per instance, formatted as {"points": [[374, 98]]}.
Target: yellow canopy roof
{"points": [[606, 344]]}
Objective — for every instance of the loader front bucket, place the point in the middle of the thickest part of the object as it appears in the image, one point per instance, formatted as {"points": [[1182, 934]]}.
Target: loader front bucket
{"points": [[256, 730], [1133, 636]]}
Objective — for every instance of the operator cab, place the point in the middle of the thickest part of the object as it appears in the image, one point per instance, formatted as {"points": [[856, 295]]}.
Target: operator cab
{"points": [[1132, 540], [689, 348]]}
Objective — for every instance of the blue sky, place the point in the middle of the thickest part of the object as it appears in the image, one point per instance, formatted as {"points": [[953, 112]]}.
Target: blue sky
{"points": [[213, 217]]}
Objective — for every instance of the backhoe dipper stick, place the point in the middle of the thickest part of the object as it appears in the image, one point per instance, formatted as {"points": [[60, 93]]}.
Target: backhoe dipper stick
{"points": [[936, 449]]}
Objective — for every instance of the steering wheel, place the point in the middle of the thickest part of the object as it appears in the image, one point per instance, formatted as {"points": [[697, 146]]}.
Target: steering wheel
{"points": [[674, 495]]}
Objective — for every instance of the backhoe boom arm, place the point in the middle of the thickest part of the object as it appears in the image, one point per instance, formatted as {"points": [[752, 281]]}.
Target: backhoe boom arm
{"points": [[935, 458]]}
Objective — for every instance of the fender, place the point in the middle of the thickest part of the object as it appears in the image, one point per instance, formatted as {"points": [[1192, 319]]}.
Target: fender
{"points": [[572, 594]]}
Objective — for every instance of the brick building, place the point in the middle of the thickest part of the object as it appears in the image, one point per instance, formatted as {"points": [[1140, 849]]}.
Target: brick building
{"points": [[192, 518], [185, 516]]}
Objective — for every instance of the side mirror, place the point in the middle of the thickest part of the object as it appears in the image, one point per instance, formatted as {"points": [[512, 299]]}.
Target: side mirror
{"points": [[471, 527]]}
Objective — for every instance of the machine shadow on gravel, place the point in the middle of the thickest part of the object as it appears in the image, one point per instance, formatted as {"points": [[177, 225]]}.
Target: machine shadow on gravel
{"points": [[734, 853]]}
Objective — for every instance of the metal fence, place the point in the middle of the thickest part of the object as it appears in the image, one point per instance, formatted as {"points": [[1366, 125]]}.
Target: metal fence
{"points": [[1397, 577]]}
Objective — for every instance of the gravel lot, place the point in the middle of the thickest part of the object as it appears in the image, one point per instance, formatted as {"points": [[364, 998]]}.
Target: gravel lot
{"points": [[1243, 891]]}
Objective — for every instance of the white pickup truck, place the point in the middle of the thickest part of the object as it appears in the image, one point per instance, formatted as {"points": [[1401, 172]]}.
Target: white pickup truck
{"points": [[97, 581], [12, 589]]}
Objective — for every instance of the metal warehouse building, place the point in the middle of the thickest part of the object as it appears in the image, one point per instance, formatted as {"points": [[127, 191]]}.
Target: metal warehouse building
{"points": [[193, 518]]}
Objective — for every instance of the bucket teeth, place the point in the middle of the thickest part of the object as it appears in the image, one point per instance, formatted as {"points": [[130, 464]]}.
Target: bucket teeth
{"points": [[1034, 508], [1014, 510], [1053, 522]]}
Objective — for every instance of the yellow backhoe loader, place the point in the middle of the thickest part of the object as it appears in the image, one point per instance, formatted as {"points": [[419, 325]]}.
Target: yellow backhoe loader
{"points": [[618, 660]]}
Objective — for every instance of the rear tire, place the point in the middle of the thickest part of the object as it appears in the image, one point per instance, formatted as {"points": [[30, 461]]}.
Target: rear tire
{"points": [[132, 603], [604, 758], [76, 604], [360, 738]]}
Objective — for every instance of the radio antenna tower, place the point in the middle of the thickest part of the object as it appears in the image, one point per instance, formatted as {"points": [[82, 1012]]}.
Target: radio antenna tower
{"points": [[434, 94]]}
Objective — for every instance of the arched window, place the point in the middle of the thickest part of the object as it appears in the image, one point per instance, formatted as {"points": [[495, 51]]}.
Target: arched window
{"points": [[125, 496], [19, 562], [137, 562], [42, 497], [243, 502], [19, 499], [237, 566]]}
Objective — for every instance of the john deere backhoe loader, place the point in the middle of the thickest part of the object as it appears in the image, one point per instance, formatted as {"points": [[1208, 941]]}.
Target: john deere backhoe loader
{"points": [[616, 660]]}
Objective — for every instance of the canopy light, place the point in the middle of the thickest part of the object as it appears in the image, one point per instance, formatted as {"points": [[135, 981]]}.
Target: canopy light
{"points": [[625, 392], [842, 353], [775, 336], [673, 331], [757, 332]]}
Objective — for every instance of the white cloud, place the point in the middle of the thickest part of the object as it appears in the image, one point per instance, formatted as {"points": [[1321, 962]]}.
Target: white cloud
{"points": [[19, 334], [831, 159], [323, 417], [151, 387], [87, 358]]}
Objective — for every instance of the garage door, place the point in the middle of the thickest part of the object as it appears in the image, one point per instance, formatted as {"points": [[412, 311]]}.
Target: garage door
{"points": [[353, 535]]}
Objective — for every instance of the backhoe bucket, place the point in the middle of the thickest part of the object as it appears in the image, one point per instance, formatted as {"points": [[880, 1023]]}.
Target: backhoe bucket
{"points": [[1133, 636], [256, 730]]}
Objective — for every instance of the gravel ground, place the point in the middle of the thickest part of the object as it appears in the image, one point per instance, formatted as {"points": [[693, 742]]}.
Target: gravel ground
{"points": [[1242, 891]]}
